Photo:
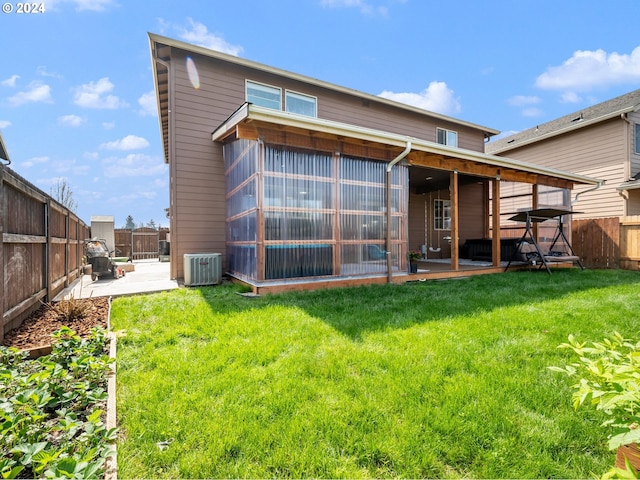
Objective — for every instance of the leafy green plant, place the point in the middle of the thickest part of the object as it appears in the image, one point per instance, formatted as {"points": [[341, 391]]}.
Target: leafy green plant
{"points": [[51, 409], [414, 256], [608, 374]]}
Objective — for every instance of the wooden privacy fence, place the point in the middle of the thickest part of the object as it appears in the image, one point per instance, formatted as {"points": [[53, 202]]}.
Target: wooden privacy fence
{"points": [[597, 241], [41, 248], [141, 243]]}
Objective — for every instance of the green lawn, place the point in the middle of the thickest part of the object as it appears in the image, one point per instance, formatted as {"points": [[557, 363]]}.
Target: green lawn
{"points": [[428, 379]]}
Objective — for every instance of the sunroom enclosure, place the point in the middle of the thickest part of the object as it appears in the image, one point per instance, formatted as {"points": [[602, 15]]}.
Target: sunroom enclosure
{"points": [[295, 213]]}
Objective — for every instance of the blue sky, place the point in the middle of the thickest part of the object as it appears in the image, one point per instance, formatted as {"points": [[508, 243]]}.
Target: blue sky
{"points": [[76, 90]]}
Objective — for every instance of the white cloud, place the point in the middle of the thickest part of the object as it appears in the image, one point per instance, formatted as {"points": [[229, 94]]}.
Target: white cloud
{"points": [[35, 161], [531, 112], [364, 7], [97, 95], [522, 100], [130, 142], [147, 102], [11, 81], [588, 69], [134, 165], [131, 197], [42, 71], [35, 92], [71, 120], [570, 97], [108, 125], [198, 34], [437, 97], [4, 124]]}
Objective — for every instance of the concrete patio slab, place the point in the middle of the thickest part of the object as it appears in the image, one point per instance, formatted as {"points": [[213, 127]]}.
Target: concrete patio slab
{"points": [[149, 276]]}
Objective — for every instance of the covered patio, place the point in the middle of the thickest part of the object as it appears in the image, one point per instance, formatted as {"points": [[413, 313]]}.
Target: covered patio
{"points": [[356, 200]]}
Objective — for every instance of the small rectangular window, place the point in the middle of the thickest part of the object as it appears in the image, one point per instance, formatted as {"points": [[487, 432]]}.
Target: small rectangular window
{"points": [[442, 214], [301, 104], [638, 138], [264, 95], [447, 137]]}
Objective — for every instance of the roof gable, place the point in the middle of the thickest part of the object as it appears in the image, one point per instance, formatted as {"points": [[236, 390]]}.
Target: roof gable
{"points": [[626, 103]]}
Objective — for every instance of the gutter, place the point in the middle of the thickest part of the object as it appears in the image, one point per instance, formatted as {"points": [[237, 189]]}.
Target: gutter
{"points": [[4, 155], [393, 162]]}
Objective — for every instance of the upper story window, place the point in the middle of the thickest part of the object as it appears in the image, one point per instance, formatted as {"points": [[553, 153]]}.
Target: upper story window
{"points": [[301, 104], [264, 95], [271, 97], [447, 137], [637, 137]]}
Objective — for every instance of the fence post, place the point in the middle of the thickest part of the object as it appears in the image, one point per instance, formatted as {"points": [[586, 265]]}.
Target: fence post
{"points": [[47, 249]]}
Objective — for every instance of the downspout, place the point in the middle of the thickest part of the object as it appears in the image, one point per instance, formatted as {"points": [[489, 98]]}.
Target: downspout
{"points": [[404, 153], [575, 200]]}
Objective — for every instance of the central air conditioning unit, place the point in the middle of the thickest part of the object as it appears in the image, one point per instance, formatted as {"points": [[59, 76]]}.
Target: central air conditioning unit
{"points": [[202, 269]]}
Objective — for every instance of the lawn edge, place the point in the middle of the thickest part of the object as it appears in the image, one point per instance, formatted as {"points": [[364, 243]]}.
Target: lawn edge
{"points": [[111, 462]]}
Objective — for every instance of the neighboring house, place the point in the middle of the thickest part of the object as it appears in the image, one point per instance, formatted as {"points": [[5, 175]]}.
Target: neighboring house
{"points": [[301, 183], [602, 141]]}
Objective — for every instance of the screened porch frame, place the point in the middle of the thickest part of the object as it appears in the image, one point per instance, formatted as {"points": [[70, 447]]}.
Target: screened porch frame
{"points": [[256, 123]]}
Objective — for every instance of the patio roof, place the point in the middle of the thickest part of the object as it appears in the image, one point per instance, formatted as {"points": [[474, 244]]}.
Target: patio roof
{"points": [[251, 121], [3, 151]]}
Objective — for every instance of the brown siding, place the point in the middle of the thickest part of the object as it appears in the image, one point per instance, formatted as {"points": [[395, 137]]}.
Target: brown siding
{"points": [[472, 211], [198, 184], [597, 151]]}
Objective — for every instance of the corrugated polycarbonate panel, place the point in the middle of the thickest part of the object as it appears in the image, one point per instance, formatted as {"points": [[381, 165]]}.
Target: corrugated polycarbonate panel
{"points": [[241, 160], [302, 192], [363, 220]]}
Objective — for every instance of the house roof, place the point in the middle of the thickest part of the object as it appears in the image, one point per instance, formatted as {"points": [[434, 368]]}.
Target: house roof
{"points": [[157, 41], [4, 155], [601, 112], [252, 115]]}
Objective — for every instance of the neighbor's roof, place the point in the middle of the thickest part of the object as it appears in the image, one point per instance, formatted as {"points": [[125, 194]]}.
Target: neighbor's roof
{"points": [[156, 41], [3, 150], [248, 113], [615, 107]]}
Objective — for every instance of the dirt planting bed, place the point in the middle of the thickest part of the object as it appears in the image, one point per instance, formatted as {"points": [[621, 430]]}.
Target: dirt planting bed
{"points": [[36, 330]]}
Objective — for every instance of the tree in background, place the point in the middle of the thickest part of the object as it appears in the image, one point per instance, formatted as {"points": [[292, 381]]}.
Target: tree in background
{"points": [[61, 192], [131, 225], [151, 224]]}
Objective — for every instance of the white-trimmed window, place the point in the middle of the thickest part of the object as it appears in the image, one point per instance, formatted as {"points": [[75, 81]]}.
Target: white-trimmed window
{"points": [[638, 138], [442, 214], [447, 137], [301, 104], [264, 95]]}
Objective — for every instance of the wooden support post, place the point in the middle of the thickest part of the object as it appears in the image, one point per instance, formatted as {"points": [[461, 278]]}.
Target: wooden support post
{"points": [[495, 222], [455, 233], [260, 224], [337, 251]]}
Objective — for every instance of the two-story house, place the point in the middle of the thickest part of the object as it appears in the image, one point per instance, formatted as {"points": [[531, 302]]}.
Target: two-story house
{"points": [[300, 183]]}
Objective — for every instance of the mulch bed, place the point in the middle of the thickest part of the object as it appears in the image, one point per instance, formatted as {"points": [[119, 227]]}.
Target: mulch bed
{"points": [[36, 330]]}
